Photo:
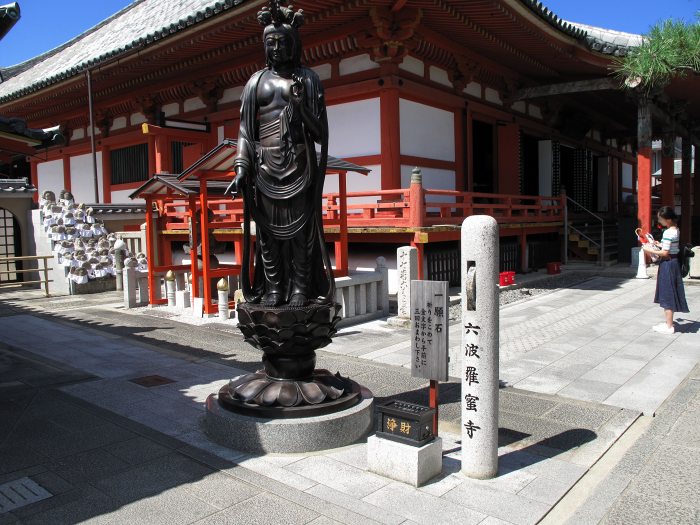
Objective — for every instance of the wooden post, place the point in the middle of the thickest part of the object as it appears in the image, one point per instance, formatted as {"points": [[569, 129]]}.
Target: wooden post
{"points": [[341, 246], [34, 175], [523, 252], [686, 192], [106, 175], [508, 159], [46, 276], [434, 403], [162, 154], [194, 239], [150, 248], [644, 129], [417, 200], [204, 232], [667, 170], [66, 172], [390, 138], [460, 150]]}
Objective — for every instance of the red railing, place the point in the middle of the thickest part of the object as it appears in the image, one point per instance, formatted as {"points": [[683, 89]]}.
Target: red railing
{"points": [[397, 208]]}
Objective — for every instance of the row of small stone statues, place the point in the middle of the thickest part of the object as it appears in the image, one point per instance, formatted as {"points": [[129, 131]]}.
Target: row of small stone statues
{"points": [[80, 242]]}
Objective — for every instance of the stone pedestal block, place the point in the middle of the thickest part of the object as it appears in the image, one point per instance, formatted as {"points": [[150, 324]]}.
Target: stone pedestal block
{"points": [[306, 434], [405, 463], [182, 299], [198, 307]]}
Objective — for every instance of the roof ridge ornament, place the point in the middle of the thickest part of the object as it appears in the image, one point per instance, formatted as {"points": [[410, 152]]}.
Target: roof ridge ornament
{"points": [[277, 15]]}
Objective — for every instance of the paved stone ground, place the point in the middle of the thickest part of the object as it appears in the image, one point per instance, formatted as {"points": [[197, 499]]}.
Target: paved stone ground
{"points": [[114, 451], [592, 342]]}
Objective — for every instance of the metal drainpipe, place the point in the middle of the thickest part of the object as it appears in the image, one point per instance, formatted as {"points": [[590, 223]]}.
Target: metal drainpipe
{"points": [[91, 109]]}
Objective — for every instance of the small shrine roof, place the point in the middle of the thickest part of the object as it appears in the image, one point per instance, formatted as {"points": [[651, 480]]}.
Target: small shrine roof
{"points": [[165, 184], [222, 156], [17, 186]]}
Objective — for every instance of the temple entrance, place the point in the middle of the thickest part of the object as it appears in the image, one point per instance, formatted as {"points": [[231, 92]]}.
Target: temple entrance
{"points": [[483, 148], [9, 247]]}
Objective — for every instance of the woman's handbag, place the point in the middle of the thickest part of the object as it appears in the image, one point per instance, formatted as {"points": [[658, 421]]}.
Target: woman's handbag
{"points": [[647, 240]]}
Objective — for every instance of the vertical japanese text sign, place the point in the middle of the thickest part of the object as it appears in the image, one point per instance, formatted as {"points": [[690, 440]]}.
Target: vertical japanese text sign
{"points": [[429, 330], [480, 323]]}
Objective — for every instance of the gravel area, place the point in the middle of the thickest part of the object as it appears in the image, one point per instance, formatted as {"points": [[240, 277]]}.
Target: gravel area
{"points": [[529, 290]]}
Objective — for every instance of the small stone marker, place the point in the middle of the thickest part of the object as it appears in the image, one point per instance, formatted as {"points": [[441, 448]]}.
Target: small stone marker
{"points": [[429, 330], [170, 287], [480, 324], [407, 261], [222, 287]]}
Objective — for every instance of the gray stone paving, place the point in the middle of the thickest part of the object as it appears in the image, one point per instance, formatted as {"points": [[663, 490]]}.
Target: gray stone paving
{"points": [[591, 342]]}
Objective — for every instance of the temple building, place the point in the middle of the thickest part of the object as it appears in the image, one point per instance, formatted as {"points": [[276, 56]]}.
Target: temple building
{"points": [[503, 107]]}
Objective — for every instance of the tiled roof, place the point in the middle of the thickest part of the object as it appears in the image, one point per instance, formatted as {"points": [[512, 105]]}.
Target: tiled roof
{"points": [[117, 209], [598, 39], [16, 186], [139, 24], [144, 22]]}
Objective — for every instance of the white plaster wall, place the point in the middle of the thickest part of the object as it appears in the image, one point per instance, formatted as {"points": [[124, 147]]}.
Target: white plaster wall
{"points": [[137, 118], [82, 180], [426, 131], [324, 71], [473, 89], [231, 95], [171, 109], [354, 128], [220, 133], [78, 134], [534, 111], [440, 76], [355, 64], [192, 104], [520, 106], [118, 123], [433, 179], [122, 197], [50, 176], [413, 65], [492, 95]]}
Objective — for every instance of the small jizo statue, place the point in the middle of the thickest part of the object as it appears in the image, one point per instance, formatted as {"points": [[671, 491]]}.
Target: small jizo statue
{"points": [[283, 117]]}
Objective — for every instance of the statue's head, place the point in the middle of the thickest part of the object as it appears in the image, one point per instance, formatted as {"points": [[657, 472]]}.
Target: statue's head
{"points": [[281, 34]]}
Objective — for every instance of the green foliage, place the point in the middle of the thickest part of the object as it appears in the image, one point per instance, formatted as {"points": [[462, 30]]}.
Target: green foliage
{"points": [[670, 49]]}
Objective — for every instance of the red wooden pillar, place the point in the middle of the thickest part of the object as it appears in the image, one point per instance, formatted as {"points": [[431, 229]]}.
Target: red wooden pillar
{"points": [[66, 172], [194, 239], [34, 176], [162, 154], [106, 175], [667, 171], [204, 232], [686, 193], [150, 248], [341, 246], [509, 159], [390, 138], [419, 244], [644, 155], [416, 200], [151, 155]]}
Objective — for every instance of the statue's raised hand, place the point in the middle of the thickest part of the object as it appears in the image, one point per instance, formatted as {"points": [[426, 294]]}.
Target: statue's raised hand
{"points": [[297, 90]]}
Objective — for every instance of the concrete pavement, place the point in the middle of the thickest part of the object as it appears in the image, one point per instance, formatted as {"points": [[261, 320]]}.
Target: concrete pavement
{"points": [[92, 351]]}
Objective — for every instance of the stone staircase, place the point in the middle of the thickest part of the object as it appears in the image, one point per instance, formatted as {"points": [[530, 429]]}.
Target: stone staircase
{"points": [[585, 241]]}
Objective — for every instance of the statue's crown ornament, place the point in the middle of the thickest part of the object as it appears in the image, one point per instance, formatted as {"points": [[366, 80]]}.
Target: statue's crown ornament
{"points": [[277, 15]]}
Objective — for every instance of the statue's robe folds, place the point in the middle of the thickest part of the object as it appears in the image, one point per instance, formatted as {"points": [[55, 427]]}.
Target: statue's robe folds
{"points": [[283, 195]]}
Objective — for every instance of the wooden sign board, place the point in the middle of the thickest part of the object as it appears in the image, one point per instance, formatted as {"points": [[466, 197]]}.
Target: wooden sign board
{"points": [[429, 330]]}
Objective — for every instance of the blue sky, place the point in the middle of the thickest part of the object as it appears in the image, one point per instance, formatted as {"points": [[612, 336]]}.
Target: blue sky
{"points": [[46, 24]]}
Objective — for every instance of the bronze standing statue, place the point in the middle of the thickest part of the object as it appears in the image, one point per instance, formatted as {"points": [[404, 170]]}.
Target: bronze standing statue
{"points": [[290, 309], [283, 117]]}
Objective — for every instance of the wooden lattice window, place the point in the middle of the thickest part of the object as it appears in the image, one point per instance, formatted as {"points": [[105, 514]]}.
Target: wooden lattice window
{"points": [[129, 164], [8, 245]]}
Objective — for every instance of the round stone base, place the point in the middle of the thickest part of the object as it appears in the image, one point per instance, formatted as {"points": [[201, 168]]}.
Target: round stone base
{"points": [[308, 434]]}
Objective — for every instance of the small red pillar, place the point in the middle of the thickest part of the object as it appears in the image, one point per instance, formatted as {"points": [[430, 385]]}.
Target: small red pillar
{"points": [[644, 155], [341, 246]]}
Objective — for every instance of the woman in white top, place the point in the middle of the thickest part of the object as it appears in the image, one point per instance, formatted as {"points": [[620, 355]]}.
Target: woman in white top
{"points": [[670, 294]]}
